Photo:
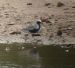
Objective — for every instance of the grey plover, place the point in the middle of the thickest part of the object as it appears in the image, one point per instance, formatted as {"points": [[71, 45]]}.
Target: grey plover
{"points": [[35, 28]]}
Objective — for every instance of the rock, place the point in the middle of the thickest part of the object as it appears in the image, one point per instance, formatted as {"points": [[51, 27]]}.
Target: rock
{"points": [[36, 35], [67, 50], [66, 8], [73, 7], [47, 21], [47, 4], [62, 46], [26, 35], [7, 49], [29, 3], [10, 24], [51, 35], [69, 46], [15, 32], [69, 28], [23, 48], [59, 33], [44, 19], [60, 4]]}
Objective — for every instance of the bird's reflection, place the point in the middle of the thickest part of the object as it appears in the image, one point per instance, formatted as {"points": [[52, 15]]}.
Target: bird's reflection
{"points": [[34, 53]]}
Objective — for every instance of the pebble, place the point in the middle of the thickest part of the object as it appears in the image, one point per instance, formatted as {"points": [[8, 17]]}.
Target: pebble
{"points": [[22, 47], [66, 50], [69, 28], [36, 35], [12, 33], [7, 49], [62, 46], [59, 33], [29, 3], [60, 4], [47, 4], [73, 7]]}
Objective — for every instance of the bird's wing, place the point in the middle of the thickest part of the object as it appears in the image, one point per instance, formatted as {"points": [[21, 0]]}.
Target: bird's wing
{"points": [[36, 26], [31, 28], [28, 28]]}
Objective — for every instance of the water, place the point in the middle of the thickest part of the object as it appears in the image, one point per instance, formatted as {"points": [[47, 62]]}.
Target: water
{"points": [[40, 57], [19, 57], [57, 57]]}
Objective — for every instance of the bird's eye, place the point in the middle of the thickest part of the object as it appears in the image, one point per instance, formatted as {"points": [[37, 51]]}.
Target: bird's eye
{"points": [[38, 22]]}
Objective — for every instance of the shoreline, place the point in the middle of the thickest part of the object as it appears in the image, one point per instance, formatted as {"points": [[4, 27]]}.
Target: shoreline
{"points": [[39, 40]]}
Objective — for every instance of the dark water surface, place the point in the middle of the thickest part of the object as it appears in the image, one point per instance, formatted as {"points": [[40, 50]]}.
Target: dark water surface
{"points": [[57, 57], [40, 57]]}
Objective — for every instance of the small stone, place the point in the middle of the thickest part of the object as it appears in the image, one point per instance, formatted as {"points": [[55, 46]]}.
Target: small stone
{"points": [[29, 3], [51, 35], [10, 24], [49, 7], [35, 34], [66, 50], [69, 46], [56, 20], [47, 21], [62, 46], [44, 19], [26, 35], [34, 47], [47, 4], [73, 7], [7, 49], [69, 28], [66, 8], [12, 33], [59, 33], [22, 47], [52, 21], [60, 4]]}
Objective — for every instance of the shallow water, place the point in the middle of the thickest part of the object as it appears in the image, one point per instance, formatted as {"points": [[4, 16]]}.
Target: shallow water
{"points": [[40, 57], [19, 57], [57, 57]]}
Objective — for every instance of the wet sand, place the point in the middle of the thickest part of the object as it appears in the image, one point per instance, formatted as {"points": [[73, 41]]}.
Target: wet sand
{"points": [[18, 14]]}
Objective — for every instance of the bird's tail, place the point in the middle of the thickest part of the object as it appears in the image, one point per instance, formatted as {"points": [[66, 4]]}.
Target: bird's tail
{"points": [[24, 29]]}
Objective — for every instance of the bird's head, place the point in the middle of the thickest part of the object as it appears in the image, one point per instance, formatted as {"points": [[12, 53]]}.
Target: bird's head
{"points": [[39, 22]]}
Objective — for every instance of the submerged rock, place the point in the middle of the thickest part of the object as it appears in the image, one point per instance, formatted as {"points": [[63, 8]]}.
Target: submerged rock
{"points": [[67, 50], [7, 49]]}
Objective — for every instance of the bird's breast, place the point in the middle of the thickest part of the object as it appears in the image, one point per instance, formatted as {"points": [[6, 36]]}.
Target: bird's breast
{"points": [[37, 26]]}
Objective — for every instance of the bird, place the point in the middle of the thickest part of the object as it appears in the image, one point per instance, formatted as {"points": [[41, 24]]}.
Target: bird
{"points": [[34, 28]]}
